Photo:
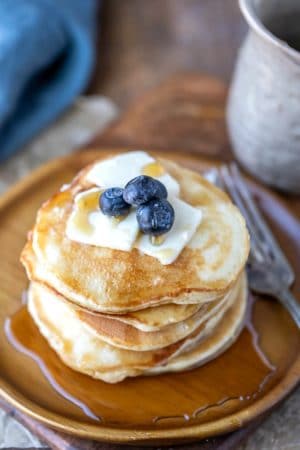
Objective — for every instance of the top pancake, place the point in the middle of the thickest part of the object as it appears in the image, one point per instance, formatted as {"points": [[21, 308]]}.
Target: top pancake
{"points": [[114, 281]]}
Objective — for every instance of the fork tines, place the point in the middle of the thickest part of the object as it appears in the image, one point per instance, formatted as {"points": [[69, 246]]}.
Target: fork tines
{"points": [[264, 246]]}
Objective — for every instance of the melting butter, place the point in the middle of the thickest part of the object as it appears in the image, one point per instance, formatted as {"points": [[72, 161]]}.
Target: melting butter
{"points": [[166, 254], [81, 222], [89, 201], [187, 220], [117, 219], [88, 225], [84, 205], [118, 171]]}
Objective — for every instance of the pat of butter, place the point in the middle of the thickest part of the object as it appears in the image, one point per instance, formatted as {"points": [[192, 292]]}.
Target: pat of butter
{"points": [[118, 171], [187, 220], [87, 224]]}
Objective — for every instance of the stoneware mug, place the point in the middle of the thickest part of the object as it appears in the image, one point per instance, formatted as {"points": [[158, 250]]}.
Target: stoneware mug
{"points": [[263, 110]]}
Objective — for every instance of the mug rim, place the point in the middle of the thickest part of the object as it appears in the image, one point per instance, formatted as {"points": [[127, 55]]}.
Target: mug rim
{"points": [[254, 22]]}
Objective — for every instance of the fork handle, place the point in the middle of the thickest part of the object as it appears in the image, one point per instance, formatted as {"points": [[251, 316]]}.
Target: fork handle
{"points": [[287, 299]]}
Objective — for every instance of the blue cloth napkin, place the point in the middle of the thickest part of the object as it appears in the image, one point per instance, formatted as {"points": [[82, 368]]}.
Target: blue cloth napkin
{"points": [[46, 56]]}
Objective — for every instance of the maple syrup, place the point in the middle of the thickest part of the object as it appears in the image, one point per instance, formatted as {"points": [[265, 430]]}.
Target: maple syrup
{"points": [[85, 205], [153, 169], [157, 240], [89, 202], [225, 384], [117, 219]]}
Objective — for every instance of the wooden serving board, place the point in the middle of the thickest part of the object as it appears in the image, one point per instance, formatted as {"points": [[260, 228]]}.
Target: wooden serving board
{"points": [[186, 114]]}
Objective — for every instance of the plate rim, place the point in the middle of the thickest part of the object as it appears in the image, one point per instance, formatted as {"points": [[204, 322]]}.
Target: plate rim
{"points": [[113, 434]]}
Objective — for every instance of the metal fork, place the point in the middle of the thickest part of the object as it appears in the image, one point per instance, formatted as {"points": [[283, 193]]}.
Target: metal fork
{"points": [[269, 272]]}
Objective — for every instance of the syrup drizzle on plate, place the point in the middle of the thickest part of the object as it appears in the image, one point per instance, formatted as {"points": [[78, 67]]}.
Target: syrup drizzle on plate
{"points": [[249, 327], [86, 393]]}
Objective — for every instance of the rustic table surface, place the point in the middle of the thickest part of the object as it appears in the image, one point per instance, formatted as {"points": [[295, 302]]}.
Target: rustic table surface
{"points": [[141, 43]]}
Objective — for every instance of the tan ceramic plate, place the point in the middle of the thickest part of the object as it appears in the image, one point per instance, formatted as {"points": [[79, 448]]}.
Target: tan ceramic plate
{"points": [[219, 397]]}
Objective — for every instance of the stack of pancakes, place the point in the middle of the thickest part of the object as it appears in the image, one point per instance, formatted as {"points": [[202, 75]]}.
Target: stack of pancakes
{"points": [[112, 314]]}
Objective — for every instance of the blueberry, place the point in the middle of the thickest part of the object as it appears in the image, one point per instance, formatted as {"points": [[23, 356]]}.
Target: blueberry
{"points": [[112, 203], [142, 189], [155, 217]]}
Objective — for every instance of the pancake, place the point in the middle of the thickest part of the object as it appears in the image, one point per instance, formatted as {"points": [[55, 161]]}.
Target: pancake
{"points": [[147, 319], [82, 350], [117, 333], [213, 346], [125, 336], [158, 317], [114, 281]]}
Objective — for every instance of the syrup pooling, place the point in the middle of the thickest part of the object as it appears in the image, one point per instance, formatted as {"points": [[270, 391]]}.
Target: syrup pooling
{"points": [[86, 204], [153, 169], [228, 402], [234, 380], [157, 240], [90, 202], [17, 322], [118, 219]]}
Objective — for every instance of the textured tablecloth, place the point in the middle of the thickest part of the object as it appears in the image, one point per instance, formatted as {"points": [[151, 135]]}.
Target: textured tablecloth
{"points": [[47, 54], [88, 115]]}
